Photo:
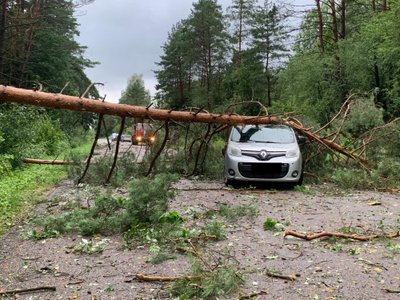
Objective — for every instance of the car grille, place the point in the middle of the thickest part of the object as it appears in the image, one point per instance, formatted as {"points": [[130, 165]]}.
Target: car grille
{"points": [[263, 170]]}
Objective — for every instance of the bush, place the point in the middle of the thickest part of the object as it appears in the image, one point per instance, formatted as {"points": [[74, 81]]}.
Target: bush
{"points": [[147, 203], [148, 198], [5, 164], [29, 132]]}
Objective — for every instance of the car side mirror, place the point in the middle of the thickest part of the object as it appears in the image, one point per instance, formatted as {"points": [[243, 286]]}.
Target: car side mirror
{"points": [[301, 139]]}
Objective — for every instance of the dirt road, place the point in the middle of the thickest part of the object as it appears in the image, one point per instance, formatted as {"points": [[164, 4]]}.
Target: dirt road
{"points": [[323, 268]]}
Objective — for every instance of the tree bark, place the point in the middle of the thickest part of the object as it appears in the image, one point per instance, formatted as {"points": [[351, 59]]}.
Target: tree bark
{"points": [[35, 15], [59, 101], [45, 161], [3, 22], [343, 19], [335, 34], [320, 27]]}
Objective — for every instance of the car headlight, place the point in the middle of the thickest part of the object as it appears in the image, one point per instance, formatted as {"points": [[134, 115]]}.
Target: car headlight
{"points": [[234, 151], [293, 152]]}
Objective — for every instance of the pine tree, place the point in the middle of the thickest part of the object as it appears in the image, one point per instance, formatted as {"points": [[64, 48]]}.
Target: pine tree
{"points": [[175, 76], [269, 41], [135, 92], [240, 13], [209, 40]]}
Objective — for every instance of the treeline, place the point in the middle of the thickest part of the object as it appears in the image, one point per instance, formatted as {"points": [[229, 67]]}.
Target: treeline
{"points": [[38, 51], [254, 51]]}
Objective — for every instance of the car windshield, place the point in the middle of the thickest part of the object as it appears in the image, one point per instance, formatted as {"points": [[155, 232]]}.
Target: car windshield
{"points": [[263, 134]]}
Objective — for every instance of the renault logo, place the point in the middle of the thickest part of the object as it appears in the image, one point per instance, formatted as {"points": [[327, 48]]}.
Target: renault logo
{"points": [[263, 154]]}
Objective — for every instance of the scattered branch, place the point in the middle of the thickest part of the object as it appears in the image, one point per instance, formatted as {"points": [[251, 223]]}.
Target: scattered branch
{"points": [[155, 278], [28, 290], [336, 234], [273, 274], [251, 296]]}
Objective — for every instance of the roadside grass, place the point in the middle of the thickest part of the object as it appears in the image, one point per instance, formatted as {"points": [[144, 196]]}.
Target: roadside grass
{"points": [[22, 188]]}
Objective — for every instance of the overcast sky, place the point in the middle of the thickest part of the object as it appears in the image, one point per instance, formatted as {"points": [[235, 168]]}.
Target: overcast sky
{"points": [[126, 36]]}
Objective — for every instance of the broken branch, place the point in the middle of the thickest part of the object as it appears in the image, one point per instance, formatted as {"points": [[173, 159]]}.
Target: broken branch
{"points": [[336, 234], [28, 290], [155, 278], [291, 277]]}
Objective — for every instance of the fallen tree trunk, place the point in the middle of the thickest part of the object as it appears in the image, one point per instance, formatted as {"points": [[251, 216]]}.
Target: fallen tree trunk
{"points": [[309, 237], [46, 161], [60, 101]]}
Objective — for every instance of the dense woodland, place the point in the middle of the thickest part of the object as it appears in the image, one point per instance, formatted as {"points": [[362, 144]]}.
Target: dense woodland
{"points": [[303, 60]]}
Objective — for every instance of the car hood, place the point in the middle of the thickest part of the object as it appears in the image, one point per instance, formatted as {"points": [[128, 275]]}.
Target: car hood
{"points": [[264, 146]]}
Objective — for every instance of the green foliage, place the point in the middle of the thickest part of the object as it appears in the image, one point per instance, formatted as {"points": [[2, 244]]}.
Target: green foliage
{"points": [[6, 164], [126, 168], [233, 213], [221, 281], [148, 202], [273, 225], [171, 217], [305, 189], [149, 198], [269, 224], [38, 51], [30, 182], [28, 132], [135, 93], [352, 178], [106, 217], [384, 175], [354, 251], [393, 247], [161, 257], [363, 116], [194, 58], [90, 246], [215, 230]]}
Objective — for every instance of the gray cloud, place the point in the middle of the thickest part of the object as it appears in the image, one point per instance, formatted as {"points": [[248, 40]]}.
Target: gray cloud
{"points": [[126, 36]]}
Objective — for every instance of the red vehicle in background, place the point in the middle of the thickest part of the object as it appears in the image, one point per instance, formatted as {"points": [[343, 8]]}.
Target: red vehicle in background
{"points": [[143, 133]]}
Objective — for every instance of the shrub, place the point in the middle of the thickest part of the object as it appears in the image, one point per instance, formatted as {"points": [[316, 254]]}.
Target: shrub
{"points": [[148, 198], [147, 204]]}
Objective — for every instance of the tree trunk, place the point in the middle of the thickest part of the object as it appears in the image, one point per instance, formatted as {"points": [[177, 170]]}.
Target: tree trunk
{"points": [[240, 37], [3, 21], [343, 19], [320, 27], [59, 101], [35, 15], [334, 24], [384, 5]]}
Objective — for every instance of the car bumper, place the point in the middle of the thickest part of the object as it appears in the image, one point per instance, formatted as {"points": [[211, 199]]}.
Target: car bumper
{"points": [[275, 170]]}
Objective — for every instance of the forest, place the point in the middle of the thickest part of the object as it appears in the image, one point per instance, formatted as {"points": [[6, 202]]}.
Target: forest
{"points": [[113, 220], [257, 51]]}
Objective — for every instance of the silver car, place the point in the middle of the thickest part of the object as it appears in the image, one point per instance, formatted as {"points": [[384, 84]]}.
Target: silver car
{"points": [[263, 153]]}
